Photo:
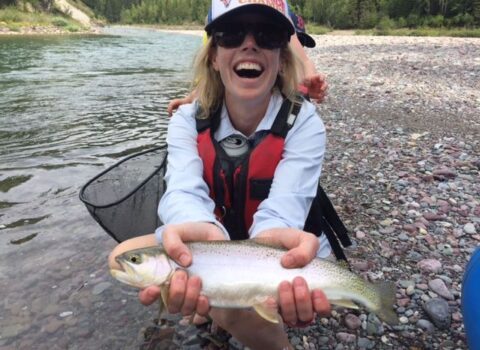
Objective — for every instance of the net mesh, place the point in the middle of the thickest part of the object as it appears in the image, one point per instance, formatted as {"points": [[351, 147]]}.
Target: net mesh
{"points": [[123, 199]]}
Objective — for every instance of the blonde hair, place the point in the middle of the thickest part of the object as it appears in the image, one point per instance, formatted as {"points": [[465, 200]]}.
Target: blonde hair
{"points": [[209, 86]]}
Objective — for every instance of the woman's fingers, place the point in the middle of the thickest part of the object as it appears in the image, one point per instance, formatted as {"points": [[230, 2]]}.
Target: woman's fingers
{"points": [[295, 302], [321, 305], [194, 285], [302, 247], [203, 306], [149, 295], [177, 290], [303, 300], [286, 301], [174, 246]]}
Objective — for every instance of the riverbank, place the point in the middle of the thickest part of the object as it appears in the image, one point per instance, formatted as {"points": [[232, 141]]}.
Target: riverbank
{"points": [[16, 22]]}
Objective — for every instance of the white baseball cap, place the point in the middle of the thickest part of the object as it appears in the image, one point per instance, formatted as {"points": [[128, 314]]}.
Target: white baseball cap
{"points": [[275, 9]]}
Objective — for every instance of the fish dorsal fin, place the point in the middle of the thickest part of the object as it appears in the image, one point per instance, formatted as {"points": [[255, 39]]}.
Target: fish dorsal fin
{"points": [[345, 303], [344, 264], [268, 241]]}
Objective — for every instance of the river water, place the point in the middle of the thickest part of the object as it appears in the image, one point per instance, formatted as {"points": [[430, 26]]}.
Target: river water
{"points": [[70, 106]]}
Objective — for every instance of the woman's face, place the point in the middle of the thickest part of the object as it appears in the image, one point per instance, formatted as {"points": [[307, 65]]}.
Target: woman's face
{"points": [[248, 71]]}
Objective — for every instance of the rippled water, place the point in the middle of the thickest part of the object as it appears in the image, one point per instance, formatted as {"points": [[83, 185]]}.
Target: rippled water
{"points": [[69, 107]]}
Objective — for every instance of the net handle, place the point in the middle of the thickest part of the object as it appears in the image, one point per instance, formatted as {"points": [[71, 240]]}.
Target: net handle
{"points": [[84, 187]]}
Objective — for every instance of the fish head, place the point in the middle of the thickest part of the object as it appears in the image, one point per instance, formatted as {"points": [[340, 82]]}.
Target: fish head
{"points": [[144, 267]]}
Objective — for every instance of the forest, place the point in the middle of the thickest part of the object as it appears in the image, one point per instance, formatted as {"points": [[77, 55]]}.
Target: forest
{"points": [[335, 14]]}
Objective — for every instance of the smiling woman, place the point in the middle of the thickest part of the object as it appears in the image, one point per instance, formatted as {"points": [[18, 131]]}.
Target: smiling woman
{"points": [[247, 79]]}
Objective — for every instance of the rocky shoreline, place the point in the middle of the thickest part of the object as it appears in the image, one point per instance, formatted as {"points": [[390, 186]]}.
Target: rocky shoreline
{"points": [[47, 30], [402, 167]]}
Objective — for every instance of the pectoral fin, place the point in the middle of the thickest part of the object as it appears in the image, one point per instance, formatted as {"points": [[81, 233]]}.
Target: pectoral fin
{"points": [[345, 303], [162, 301], [268, 310]]}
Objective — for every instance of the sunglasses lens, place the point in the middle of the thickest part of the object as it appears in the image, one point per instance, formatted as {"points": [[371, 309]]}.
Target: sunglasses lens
{"points": [[229, 39], [267, 36], [270, 37]]}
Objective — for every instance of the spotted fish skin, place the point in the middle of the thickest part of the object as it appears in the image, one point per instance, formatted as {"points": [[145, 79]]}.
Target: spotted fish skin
{"points": [[240, 274]]}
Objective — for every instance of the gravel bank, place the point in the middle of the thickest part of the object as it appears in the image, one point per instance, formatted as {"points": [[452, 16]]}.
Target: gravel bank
{"points": [[403, 119]]}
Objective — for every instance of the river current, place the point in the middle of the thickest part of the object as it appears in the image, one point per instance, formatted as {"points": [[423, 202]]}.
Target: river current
{"points": [[70, 106]]}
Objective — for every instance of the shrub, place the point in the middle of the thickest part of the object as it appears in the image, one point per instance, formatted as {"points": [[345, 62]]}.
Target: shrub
{"points": [[434, 21], [59, 22], [414, 20], [385, 24], [10, 14], [463, 19], [72, 28], [14, 27], [401, 23]]}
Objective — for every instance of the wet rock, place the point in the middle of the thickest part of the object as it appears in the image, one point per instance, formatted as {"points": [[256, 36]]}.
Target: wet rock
{"points": [[52, 326], [101, 287], [439, 312], [66, 314]]}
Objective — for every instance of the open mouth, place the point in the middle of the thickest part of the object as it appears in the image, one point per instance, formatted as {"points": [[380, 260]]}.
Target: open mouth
{"points": [[248, 70]]}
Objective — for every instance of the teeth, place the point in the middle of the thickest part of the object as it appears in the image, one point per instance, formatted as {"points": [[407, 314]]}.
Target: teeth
{"points": [[249, 66]]}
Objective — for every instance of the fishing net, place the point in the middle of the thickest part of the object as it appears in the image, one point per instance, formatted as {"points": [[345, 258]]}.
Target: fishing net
{"points": [[123, 199]]}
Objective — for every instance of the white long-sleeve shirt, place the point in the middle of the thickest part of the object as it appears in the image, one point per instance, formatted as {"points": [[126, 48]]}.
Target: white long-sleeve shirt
{"points": [[294, 185]]}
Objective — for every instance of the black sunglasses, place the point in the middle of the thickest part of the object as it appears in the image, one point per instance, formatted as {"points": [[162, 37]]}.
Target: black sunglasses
{"points": [[267, 36]]}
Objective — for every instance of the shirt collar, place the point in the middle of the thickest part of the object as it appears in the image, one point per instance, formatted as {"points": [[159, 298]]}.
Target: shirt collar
{"points": [[226, 128]]}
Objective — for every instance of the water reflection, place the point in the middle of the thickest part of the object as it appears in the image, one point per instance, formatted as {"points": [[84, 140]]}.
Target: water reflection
{"points": [[70, 107]]}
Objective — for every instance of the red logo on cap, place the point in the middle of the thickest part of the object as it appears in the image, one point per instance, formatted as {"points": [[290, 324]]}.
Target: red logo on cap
{"points": [[300, 23], [226, 2]]}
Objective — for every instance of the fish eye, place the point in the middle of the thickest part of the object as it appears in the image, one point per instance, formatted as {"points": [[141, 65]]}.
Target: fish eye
{"points": [[135, 259]]}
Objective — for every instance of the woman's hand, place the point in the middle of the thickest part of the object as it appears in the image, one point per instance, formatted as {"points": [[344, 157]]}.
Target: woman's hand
{"points": [[298, 305], [174, 104], [317, 87], [184, 291]]}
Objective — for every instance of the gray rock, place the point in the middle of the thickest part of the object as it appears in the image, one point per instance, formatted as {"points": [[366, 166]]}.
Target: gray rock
{"points": [[438, 286], [426, 325], [295, 341], [346, 337], [439, 312], [101, 287], [365, 343], [469, 229], [374, 325]]}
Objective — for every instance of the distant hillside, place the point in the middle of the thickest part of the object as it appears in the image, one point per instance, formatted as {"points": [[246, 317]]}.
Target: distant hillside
{"points": [[47, 16]]}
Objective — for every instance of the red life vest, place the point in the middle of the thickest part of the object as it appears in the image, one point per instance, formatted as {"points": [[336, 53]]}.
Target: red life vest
{"points": [[238, 185]]}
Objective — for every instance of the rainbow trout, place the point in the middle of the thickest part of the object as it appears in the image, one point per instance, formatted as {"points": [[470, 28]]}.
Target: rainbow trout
{"points": [[241, 274]]}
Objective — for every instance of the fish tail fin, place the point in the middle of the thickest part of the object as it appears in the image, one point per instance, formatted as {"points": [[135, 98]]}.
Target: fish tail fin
{"points": [[386, 293]]}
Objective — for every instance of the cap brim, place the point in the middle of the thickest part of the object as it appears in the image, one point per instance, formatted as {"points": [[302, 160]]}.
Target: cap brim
{"points": [[306, 40], [276, 16]]}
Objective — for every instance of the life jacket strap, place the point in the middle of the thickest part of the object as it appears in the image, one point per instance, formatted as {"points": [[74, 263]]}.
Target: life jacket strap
{"points": [[324, 218], [287, 116]]}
